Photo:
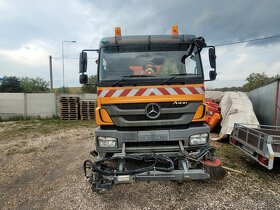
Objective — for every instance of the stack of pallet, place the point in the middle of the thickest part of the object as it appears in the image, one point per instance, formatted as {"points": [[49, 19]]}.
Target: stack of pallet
{"points": [[69, 108], [87, 109]]}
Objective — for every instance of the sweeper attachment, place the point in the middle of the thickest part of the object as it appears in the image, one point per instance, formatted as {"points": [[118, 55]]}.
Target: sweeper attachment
{"points": [[124, 168]]}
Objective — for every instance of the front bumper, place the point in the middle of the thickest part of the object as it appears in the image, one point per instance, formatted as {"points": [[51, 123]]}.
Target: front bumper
{"points": [[162, 140], [156, 167]]}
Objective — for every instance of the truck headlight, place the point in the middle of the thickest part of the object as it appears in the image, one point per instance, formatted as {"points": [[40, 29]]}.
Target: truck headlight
{"points": [[198, 139], [107, 141]]}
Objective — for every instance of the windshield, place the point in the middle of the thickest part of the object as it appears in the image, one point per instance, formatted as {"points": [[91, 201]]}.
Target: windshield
{"points": [[149, 62]]}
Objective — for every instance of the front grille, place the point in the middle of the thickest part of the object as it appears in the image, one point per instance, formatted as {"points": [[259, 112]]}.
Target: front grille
{"points": [[134, 114], [143, 105], [144, 117]]}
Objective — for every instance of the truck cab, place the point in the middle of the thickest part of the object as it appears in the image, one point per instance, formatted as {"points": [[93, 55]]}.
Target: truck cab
{"points": [[151, 106]]}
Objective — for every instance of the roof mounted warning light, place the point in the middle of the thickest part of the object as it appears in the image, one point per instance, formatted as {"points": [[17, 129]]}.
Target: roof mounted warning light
{"points": [[174, 30], [118, 31]]}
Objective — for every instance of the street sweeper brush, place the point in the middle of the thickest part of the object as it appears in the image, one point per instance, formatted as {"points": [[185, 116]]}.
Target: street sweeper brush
{"points": [[214, 169]]}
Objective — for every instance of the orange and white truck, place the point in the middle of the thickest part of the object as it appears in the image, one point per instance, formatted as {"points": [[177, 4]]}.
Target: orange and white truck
{"points": [[151, 110]]}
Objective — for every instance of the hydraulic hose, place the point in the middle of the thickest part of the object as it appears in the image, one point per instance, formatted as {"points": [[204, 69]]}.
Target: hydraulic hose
{"points": [[102, 168]]}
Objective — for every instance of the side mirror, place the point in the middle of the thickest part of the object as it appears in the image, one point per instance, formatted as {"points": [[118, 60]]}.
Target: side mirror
{"points": [[83, 79], [212, 57], [83, 62], [212, 75]]}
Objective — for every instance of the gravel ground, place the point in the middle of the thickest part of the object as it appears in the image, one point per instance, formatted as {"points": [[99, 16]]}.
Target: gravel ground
{"points": [[43, 170]]}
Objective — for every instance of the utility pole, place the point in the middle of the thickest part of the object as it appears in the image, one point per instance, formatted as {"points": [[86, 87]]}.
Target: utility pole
{"points": [[51, 76], [62, 52]]}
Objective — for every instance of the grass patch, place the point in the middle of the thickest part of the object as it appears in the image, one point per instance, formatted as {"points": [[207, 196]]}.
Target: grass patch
{"points": [[17, 150], [38, 127], [236, 159], [229, 155], [21, 118], [73, 90]]}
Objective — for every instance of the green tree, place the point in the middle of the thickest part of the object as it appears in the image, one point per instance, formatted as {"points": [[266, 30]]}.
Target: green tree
{"points": [[256, 80], [10, 85], [227, 89], [34, 85], [60, 90], [90, 87]]}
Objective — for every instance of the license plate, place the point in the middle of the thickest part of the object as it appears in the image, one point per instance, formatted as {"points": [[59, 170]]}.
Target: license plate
{"points": [[153, 135]]}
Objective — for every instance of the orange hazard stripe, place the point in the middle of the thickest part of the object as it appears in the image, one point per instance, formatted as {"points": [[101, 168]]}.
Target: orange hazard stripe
{"points": [[150, 91]]}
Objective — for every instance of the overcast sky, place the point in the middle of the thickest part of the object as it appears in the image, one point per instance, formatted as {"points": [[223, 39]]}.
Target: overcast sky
{"points": [[33, 30]]}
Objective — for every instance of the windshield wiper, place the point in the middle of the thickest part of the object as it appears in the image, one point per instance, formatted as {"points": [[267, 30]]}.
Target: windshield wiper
{"points": [[129, 76], [173, 76]]}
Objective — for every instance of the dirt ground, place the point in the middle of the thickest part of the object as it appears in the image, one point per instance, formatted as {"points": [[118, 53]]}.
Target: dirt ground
{"points": [[41, 168]]}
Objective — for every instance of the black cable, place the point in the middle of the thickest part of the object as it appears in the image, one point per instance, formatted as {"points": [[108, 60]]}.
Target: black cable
{"points": [[250, 40], [96, 166], [87, 165]]}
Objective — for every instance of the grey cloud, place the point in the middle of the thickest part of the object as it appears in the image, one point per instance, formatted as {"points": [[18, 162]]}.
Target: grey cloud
{"points": [[37, 20], [240, 20], [86, 21], [219, 21]]}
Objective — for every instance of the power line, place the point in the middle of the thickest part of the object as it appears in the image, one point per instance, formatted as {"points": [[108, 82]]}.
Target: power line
{"points": [[250, 40]]}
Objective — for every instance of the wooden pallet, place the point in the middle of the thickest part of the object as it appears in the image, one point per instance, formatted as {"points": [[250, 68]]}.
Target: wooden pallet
{"points": [[69, 99], [87, 109], [69, 108], [70, 118], [73, 112]]}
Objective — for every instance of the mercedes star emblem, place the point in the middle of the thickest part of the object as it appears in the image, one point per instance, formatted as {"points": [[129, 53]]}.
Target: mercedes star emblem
{"points": [[152, 111]]}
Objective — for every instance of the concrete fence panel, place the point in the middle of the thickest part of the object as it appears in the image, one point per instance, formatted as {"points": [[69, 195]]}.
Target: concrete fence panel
{"points": [[45, 105], [12, 104], [41, 104]]}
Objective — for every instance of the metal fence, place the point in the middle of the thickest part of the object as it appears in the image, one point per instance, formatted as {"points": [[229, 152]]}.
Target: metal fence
{"points": [[266, 103]]}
